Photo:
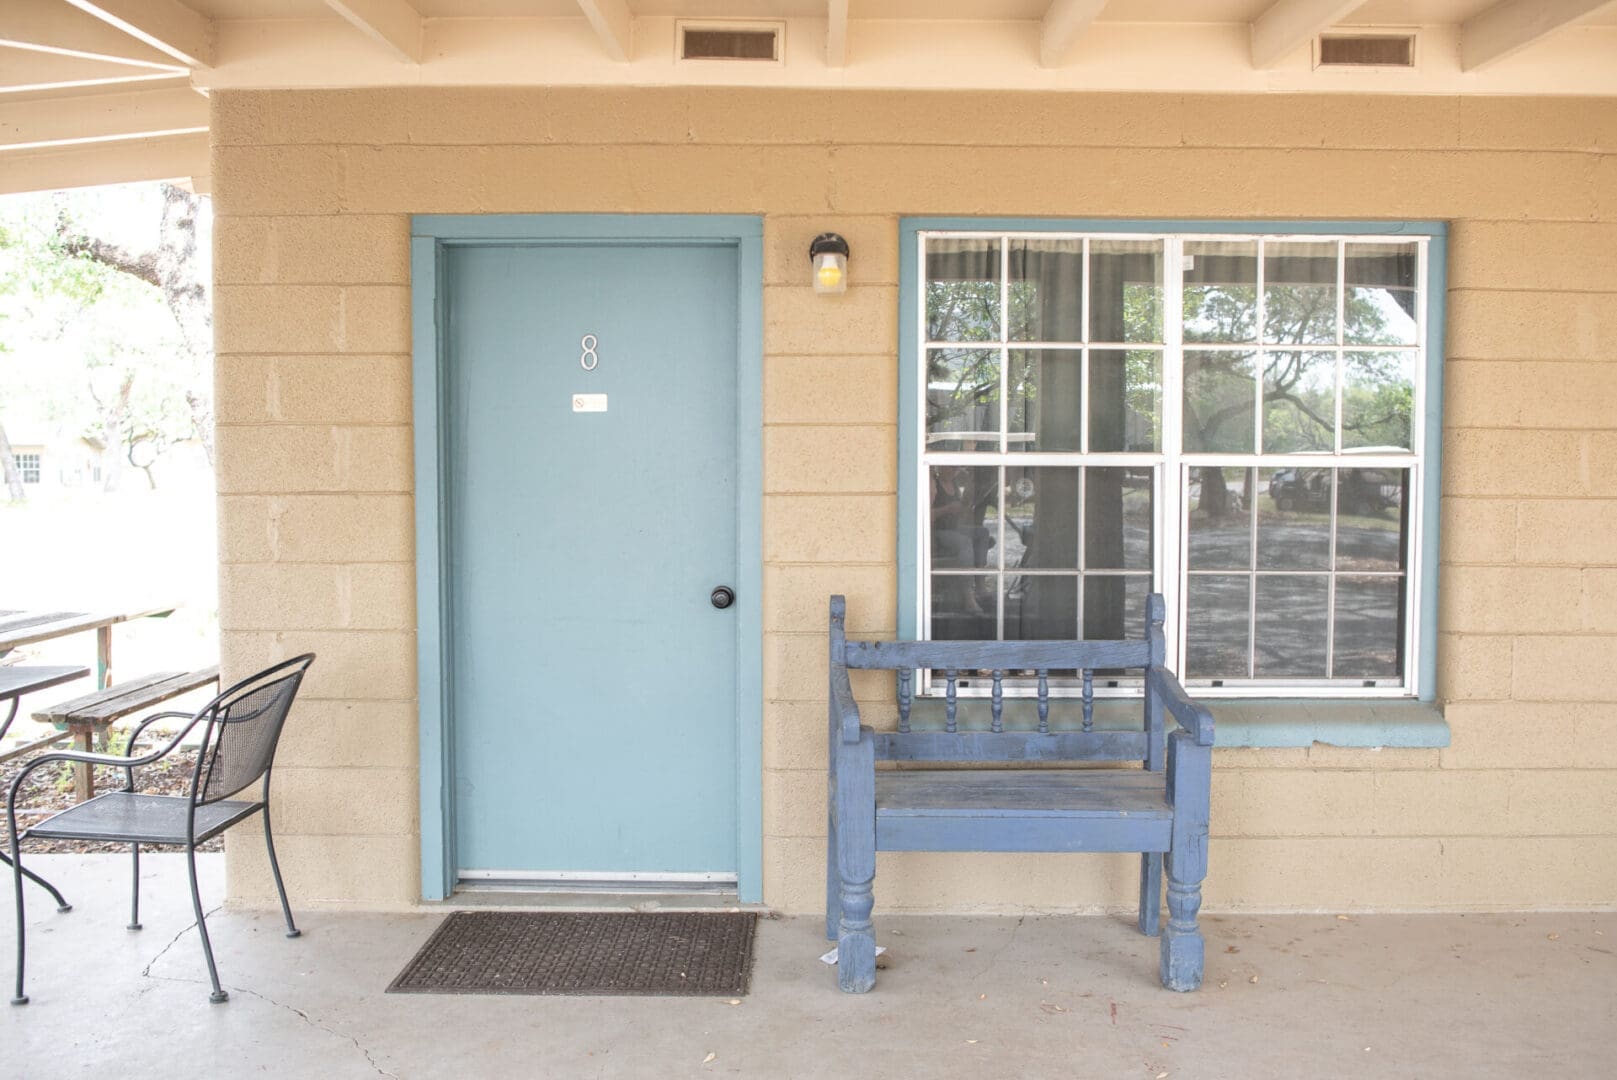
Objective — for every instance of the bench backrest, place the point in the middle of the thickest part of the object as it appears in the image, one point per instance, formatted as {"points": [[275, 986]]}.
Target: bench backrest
{"points": [[999, 742]]}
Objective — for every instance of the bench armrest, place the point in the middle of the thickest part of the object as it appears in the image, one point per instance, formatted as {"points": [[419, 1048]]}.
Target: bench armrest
{"points": [[1194, 718], [844, 710]]}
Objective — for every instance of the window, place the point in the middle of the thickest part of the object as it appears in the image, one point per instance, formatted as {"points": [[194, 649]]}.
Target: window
{"points": [[1236, 418], [28, 467]]}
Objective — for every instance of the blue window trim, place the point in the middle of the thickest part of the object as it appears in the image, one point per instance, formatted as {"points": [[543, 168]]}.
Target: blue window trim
{"points": [[1414, 721]]}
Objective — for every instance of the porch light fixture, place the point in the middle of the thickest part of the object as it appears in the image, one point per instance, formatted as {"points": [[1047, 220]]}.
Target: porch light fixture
{"points": [[829, 254]]}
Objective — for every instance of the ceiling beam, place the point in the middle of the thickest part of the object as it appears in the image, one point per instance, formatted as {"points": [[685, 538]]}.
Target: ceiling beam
{"points": [[24, 72], [53, 27], [836, 33], [1499, 31], [100, 118], [1289, 24], [168, 157], [166, 25], [393, 24], [614, 25], [1064, 22]]}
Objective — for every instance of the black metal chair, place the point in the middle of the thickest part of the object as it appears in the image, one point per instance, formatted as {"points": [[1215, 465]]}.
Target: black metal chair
{"points": [[238, 743]]}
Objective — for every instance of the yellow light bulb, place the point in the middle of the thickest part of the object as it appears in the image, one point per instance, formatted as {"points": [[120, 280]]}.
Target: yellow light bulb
{"points": [[829, 274]]}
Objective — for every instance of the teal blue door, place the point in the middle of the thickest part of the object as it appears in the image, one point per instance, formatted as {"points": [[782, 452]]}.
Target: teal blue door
{"points": [[591, 486]]}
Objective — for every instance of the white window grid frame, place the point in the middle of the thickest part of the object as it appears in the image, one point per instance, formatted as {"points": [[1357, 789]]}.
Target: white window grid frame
{"points": [[1171, 517], [29, 462]]}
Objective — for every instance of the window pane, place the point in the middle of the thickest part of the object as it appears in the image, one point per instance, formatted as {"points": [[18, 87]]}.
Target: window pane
{"points": [[1114, 605], [1290, 626], [1046, 406], [962, 399], [1220, 526], [1041, 607], [1047, 290], [962, 290], [1216, 641], [1221, 290], [965, 517], [1117, 519], [1125, 290], [1381, 295], [1371, 526], [1041, 518], [1125, 401], [1369, 628], [1219, 402], [1378, 400], [1294, 522], [1299, 402], [963, 607], [1299, 293]]}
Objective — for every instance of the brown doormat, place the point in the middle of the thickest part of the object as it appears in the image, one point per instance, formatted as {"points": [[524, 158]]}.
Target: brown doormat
{"points": [[589, 953]]}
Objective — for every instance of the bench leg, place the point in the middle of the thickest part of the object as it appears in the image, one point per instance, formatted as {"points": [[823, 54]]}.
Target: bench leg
{"points": [[855, 814], [83, 776], [1189, 780], [1150, 893], [833, 879]]}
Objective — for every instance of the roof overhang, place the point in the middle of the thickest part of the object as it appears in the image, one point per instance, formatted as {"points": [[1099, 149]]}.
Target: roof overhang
{"points": [[117, 87]]}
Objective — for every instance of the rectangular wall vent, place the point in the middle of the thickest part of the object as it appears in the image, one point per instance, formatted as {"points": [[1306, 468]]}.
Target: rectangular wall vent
{"points": [[730, 41], [1366, 50]]}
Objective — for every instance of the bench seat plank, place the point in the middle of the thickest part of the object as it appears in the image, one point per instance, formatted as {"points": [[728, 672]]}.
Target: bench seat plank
{"points": [[1021, 793], [107, 705], [1054, 810], [1011, 746]]}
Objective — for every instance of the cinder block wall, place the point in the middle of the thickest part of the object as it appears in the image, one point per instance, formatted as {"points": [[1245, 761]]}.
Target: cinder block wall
{"points": [[313, 192]]}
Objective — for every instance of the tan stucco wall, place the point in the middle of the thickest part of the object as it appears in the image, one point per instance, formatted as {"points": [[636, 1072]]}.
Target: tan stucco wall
{"points": [[312, 193]]}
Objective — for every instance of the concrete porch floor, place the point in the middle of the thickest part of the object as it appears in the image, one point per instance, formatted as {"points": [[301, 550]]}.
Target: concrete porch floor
{"points": [[1040, 996]]}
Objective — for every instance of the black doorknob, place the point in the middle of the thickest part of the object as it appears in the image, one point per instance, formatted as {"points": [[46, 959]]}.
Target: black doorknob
{"points": [[723, 597]]}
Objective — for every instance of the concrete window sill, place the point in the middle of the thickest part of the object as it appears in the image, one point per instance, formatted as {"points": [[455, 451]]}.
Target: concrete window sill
{"points": [[1304, 722]]}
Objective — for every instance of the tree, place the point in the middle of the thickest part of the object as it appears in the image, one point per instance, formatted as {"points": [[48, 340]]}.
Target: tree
{"points": [[109, 336]]}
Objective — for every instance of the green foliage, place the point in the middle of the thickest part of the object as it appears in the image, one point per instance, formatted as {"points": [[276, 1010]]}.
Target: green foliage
{"points": [[79, 337]]}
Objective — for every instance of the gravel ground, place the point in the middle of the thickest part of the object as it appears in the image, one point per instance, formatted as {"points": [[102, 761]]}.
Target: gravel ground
{"points": [[50, 789]]}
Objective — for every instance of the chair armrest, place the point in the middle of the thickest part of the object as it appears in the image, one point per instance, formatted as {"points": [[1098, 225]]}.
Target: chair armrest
{"points": [[146, 721], [844, 710], [1194, 718]]}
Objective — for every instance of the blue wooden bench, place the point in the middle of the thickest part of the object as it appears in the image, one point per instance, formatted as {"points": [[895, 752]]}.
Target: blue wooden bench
{"points": [[1159, 810]]}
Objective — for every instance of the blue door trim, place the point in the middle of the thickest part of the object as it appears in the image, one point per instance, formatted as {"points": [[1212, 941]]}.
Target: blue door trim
{"points": [[430, 236]]}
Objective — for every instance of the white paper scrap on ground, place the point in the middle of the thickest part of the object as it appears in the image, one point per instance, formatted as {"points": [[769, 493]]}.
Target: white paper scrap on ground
{"points": [[831, 957]]}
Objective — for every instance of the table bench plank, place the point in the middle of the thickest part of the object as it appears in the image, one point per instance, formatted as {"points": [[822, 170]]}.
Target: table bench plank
{"points": [[14, 622], [20, 679], [12, 637], [107, 705]]}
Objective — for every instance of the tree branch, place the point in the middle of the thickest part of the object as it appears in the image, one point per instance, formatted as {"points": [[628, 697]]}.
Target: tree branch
{"points": [[142, 266]]}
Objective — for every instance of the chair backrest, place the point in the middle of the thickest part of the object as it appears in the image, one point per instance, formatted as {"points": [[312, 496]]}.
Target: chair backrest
{"points": [[243, 726]]}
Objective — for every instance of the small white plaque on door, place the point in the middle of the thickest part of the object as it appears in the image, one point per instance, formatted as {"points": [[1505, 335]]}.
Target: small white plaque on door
{"points": [[589, 403]]}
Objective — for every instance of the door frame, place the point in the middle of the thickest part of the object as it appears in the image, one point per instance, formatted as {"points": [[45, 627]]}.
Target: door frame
{"points": [[431, 238]]}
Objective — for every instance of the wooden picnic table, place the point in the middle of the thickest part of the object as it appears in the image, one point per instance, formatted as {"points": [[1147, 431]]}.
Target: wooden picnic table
{"points": [[18, 628]]}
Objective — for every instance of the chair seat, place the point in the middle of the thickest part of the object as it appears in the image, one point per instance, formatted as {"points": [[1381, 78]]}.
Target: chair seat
{"points": [[135, 818], [1022, 810]]}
